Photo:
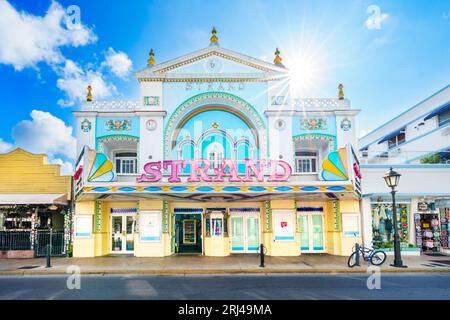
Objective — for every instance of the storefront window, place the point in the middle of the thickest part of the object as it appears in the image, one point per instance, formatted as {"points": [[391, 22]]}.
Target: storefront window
{"points": [[382, 223]]}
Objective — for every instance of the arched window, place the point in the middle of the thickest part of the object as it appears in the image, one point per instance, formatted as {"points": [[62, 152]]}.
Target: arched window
{"points": [[215, 154]]}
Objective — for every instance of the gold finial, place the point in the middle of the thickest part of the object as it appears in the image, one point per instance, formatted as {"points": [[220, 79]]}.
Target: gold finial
{"points": [[89, 94], [277, 59], [341, 91], [214, 40], [151, 61], [215, 125]]}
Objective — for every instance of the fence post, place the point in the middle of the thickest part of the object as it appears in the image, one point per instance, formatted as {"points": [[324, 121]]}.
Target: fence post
{"points": [[49, 249], [261, 255]]}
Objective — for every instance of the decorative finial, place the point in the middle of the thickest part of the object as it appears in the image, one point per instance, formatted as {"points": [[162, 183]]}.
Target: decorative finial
{"points": [[214, 40], [341, 91], [151, 61], [277, 59], [89, 94], [215, 125]]}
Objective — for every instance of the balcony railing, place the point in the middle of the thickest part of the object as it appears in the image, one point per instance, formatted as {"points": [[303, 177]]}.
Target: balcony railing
{"points": [[397, 156]]}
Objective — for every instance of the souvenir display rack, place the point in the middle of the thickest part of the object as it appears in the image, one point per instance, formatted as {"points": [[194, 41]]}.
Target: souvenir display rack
{"points": [[444, 215], [189, 232], [428, 231]]}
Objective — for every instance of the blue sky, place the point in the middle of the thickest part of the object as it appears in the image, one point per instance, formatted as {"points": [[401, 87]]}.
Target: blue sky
{"points": [[388, 59]]}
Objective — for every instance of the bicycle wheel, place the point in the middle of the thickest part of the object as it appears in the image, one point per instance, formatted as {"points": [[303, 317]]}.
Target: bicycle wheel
{"points": [[378, 258], [352, 260]]}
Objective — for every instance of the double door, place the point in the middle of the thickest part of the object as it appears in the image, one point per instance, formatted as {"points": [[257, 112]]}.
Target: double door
{"points": [[245, 230], [122, 233], [311, 232]]}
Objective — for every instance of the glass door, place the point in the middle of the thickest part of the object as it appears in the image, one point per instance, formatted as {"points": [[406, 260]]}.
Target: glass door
{"points": [[252, 234], [237, 234], [317, 232], [129, 236], [122, 234], [116, 234], [244, 234], [304, 232], [311, 232]]}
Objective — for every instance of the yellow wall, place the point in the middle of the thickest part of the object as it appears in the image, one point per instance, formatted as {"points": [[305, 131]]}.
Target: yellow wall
{"points": [[28, 173], [217, 246], [84, 247], [152, 249], [335, 242], [350, 206]]}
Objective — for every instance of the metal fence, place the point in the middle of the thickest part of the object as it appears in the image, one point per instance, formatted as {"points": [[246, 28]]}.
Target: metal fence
{"points": [[42, 239], [20, 240], [33, 240]]}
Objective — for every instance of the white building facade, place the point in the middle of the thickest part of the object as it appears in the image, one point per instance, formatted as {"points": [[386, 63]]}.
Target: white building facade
{"points": [[417, 145]]}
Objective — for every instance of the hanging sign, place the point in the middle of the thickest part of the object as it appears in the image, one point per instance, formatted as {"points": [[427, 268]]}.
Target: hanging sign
{"points": [[423, 206], [200, 170]]}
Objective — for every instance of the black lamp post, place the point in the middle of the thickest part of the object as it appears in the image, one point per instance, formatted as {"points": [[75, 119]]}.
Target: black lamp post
{"points": [[392, 178]]}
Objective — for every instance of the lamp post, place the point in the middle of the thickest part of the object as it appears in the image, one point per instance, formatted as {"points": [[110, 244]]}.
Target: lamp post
{"points": [[392, 178]]}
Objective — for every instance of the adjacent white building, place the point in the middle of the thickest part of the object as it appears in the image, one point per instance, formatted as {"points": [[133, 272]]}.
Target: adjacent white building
{"points": [[416, 144]]}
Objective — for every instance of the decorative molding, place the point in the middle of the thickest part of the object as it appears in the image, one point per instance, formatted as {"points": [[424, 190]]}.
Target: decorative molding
{"points": [[112, 105], [165, 217], [268, 216], [217, 189], [209, 54], [313, 124], [321, 136], [118, 125], [321, 103], [98, 217]]}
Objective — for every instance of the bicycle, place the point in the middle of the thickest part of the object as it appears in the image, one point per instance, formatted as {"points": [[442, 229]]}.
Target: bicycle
{"points": [[375, 257]]}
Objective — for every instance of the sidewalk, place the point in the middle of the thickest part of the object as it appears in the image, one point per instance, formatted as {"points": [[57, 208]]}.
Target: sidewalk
{"points": [[194, 264]]}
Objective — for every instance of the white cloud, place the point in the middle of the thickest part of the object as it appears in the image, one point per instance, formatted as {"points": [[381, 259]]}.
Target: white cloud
{"points": [[66, 166], [118, 62], [74, 81], [45, 133], [374, 21], [26, 40], [5, 146]]}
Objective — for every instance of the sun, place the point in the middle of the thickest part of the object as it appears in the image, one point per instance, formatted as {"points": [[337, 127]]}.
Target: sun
{"points": [[305, 73]]}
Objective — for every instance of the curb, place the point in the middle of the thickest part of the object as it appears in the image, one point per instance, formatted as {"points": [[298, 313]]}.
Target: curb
{"points": [[216, 271]]}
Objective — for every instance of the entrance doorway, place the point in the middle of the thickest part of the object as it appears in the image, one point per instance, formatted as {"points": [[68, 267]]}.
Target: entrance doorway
{"points": [[122, 233], [188, 233], [245, 232], [311, 229]]}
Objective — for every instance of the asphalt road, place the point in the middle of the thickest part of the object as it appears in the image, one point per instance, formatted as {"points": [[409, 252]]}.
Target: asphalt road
{"points": [[229, 287]]}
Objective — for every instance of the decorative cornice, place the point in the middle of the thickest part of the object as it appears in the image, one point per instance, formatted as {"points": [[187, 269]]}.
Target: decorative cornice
{"points": [[207, 52]]}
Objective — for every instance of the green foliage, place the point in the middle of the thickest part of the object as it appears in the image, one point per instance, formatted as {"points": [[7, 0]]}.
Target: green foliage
{"points": [[434, 158]]}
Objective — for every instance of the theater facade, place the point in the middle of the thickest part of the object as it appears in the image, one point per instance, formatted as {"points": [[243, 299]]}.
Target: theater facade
{"points": [[215, 158]]}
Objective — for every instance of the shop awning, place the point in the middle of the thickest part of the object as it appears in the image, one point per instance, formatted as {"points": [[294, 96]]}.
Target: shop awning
{"points": [[391, 135], [438, 111], [60, 199]]}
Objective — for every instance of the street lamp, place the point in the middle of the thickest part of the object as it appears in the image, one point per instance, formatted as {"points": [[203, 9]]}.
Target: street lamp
{"points": [[391, 177]]}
